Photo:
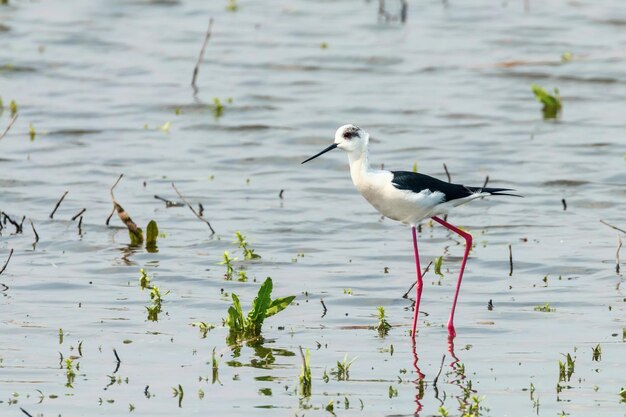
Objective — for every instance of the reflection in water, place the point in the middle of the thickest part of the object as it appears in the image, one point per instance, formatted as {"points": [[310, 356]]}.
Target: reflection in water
{"points": [[451, 350], [264, 356], [458, 370], [419, 382]]}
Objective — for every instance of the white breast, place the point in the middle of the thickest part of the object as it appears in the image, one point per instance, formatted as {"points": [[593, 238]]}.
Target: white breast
{"points": [[401, 205]]}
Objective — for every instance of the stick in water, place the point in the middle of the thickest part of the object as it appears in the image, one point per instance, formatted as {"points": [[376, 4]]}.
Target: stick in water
{"points": [[207, 36], [7, 262], [13, 119], [58, 204], [192, 209], [406, 294], [79, 214], [35, 231]]}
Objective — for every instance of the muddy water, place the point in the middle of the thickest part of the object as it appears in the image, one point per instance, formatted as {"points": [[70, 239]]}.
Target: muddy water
{"points": [[99, 80]]}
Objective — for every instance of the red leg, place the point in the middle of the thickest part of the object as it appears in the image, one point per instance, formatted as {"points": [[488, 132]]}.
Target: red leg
{"points": [[468, 247], [419, 284]]}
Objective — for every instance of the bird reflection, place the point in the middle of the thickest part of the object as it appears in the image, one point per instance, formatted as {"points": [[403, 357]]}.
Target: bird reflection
{"points": [[455, 359], [419, 382]]}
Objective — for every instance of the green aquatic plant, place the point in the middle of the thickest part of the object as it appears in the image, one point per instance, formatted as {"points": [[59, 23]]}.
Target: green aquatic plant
{"points": [[248, 253], [152, 233], [218, 107], [228, 261], [443, 412], [305, 374], [244, 327], [242, 276], [70, 374], [383, 326], [566, 369], [31, 131], [566, 57], [144, 279], [155, 296], [545, 308], [473, 408], [232, 6], [215, 368], [203, 327], [165, 127], [13, 107], [438, 263], [596, 355], [178, 393], [342, 373], [552, 104], [393, 392]]}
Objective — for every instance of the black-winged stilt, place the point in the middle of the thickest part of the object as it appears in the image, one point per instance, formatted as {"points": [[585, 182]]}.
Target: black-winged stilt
{"points": [[407, 197]]}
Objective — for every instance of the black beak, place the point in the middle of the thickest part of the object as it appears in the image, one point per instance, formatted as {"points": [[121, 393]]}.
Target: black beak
{"points": [[330, 148]]}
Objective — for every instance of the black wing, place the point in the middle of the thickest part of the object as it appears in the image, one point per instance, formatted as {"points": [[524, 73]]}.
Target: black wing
{"points": [[412, 181]]}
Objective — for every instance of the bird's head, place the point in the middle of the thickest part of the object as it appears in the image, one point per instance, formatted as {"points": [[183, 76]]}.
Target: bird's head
{"points": [[350, 138]]}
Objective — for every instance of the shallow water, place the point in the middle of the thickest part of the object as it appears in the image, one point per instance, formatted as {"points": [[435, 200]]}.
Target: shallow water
{"points": [[451, 85]]}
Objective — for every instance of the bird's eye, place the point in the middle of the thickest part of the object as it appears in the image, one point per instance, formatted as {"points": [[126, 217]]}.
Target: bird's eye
{"points": [[347, 135]]}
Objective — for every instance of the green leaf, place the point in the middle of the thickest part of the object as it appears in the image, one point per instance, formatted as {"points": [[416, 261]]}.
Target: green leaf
{"points": [[261, 303], [438, 263], [279, 304], [136, 237], [233, 320], [152, 232], [551, 103], [237, 305]]}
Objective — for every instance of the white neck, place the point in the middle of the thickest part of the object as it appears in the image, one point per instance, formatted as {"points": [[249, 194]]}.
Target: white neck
{"points": [[359, 165]]}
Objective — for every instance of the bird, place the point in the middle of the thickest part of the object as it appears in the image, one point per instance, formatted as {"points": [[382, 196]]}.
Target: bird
{"points": [[408, 197]]}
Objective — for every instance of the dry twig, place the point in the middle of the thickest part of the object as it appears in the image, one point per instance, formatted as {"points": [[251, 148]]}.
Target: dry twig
{"points": [[192, 209], [324, 306], [406, 294], [207, 36], [619, 246], [445, 167], [7, 262], [58, 204], [79, 214], [13, 119], [132, 227], [34, 231], [613, 227]]}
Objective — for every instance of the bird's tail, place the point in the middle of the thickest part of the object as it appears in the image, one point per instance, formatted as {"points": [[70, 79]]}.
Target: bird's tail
{"points": [[494, 191]]}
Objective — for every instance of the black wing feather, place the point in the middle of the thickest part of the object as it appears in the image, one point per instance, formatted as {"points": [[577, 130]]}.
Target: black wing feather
{"points": [[413, 181]]}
